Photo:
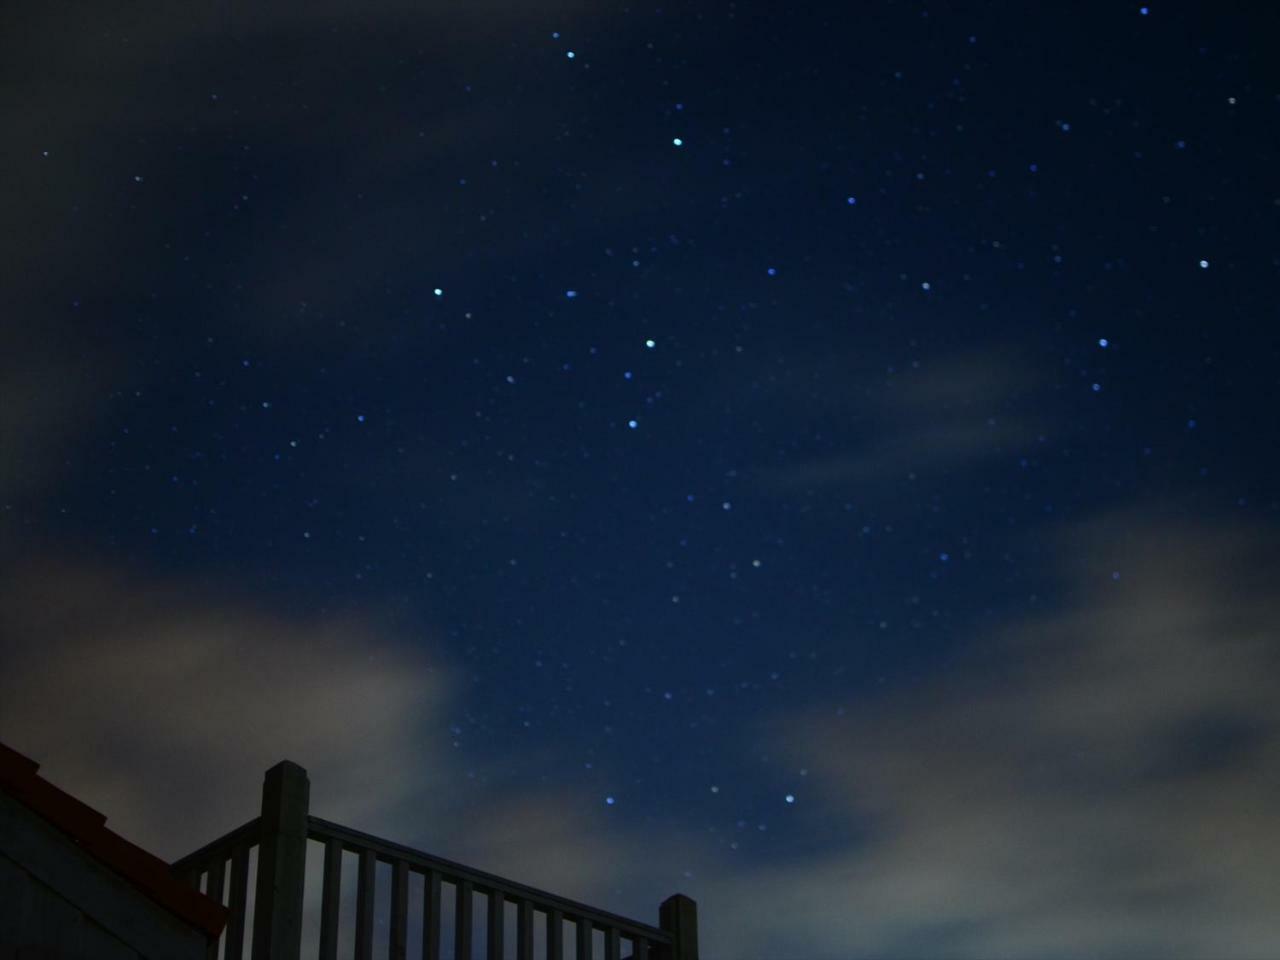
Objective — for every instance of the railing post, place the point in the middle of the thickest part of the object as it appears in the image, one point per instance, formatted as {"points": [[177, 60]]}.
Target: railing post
{"points": [[678, 916], [282, 863]]}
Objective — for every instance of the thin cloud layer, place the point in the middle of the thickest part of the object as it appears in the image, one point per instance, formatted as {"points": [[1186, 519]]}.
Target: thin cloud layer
{"points": [[161, 704], [926, 422], [1113, 794], [1110, 793], [162, 707], [43, 389]]}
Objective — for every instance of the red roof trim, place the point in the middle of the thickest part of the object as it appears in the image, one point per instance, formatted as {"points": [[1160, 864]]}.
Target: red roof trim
{"points": [[145, 871]]}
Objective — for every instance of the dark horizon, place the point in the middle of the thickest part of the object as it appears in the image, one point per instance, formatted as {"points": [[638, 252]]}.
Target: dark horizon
{"points": [[818, 460]]}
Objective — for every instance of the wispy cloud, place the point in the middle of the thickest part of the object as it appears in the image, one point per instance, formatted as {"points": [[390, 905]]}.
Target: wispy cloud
{"points": [[926, 421], [1097, 779], [44, 390], [1110, 794], [162, 704]]}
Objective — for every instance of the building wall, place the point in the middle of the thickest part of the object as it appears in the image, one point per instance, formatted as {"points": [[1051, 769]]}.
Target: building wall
{"points": [[57, 901], [36, 921]]}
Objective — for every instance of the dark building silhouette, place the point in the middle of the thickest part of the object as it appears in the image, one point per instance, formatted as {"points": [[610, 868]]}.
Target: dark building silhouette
{"points": [[71, 888]]}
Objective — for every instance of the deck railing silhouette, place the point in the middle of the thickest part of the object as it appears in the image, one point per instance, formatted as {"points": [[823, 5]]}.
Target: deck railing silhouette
{"points": [[281, 833]]}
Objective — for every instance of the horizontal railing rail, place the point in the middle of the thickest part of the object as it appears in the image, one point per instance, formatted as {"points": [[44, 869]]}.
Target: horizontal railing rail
{"points": [[385, 851], [246, 833], [281, 834], [212, 859]]}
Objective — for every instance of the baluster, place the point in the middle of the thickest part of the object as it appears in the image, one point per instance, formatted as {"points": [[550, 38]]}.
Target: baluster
{"points": [[330, 895], [364, 904], [213, 890], [555, 935], [524, 930], [239, 901], [217, 879], [462, 921], [497, 924], [431, 916], [399, 909]]}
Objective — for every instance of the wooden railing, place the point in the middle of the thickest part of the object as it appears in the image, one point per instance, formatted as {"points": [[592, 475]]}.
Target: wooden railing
{"points": [[281, 834]]}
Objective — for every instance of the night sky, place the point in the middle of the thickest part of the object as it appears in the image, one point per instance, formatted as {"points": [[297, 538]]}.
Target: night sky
{"points": [[820, 461]]}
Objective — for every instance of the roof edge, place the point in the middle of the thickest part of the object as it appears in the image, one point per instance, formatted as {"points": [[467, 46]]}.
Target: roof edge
{"points": [[85, 825]]}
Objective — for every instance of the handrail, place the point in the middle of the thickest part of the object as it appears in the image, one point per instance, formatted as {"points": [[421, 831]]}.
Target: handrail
{"points": [[281, 833], [245, 833], [388, 851]]}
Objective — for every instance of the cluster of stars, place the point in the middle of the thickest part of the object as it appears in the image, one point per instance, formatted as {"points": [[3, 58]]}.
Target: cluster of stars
{"points": [[746, 520]]}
